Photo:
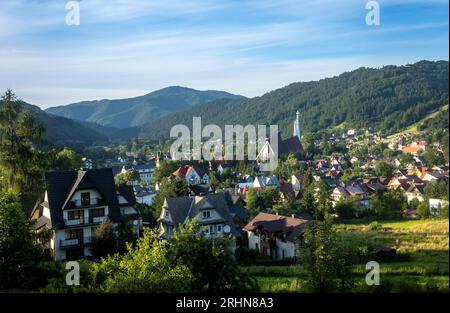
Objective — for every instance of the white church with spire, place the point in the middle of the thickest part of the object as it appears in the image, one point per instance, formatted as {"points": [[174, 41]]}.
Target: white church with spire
{"points": [[291, 145], [297, 126]]}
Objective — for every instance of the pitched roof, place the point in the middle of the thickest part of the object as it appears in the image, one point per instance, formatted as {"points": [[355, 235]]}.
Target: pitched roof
{"points": [[184, 171], [412, 149], [330, 181], [239, 211], [354, 190], [127, 191], [200, 189], [420, 189], [289, 145], [180, 172], [341, 190], [197, 169], [286, 189], [178, 208], [149, 166], [435, 174], [225, 165], [61, 185], [376, 186], [291, 227], [271, 181], [183, 208], [140, 191]]}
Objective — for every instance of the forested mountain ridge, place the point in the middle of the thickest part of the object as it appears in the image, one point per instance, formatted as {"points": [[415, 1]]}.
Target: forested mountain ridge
{"points": [[63, 130], [385, 99], [131, 112]]}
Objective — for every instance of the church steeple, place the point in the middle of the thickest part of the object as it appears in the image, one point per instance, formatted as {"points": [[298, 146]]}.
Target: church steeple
{"points": [[297, 126]]}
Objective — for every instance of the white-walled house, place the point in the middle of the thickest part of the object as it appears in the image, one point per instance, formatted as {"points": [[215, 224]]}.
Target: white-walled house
{"points": [[145, 172], [415, 192], [351, 190], [75, 203], [275, 236], [296, 181], [144, 195], [193, 175]]}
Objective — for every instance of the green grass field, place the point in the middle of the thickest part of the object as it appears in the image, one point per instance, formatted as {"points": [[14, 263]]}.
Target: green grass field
{"points": [[425, 243]]}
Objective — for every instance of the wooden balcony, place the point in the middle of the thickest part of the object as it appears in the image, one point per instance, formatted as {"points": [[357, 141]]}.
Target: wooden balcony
{"points": [[75, 242], [79, 222]]}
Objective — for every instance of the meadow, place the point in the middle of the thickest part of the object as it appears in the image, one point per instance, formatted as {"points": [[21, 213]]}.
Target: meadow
{"points": [[422, 246]]}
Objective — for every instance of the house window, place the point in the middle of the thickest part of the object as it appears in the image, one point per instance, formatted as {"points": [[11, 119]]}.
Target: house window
{"points": [[100, 212], [283, 254], [256, 246], [75, 215], [85, 198], [166, 213], [211, 229], [219, 228], [206, 214], [74, 254], [74, 234]]}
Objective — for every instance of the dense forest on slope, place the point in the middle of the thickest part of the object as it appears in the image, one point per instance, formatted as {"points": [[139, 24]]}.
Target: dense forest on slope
{"points": [[385, 99], [124, 113], [61, 130]]}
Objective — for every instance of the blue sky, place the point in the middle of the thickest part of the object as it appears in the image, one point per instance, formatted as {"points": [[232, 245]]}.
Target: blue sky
{"points": [[126, 48]]}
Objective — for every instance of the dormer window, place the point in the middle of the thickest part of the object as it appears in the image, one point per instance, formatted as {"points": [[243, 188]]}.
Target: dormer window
{"points": [[206, 214], [85, 198]]}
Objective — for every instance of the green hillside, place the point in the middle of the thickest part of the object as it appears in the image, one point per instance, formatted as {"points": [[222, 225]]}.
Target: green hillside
{"points": [[387, 99]]}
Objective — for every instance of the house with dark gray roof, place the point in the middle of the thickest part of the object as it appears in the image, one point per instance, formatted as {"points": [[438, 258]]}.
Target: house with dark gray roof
{"points": [[144, 195], [211, 211], [275, 236], [75, 203]]}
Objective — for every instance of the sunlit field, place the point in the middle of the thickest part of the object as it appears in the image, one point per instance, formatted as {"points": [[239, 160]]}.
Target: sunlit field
{"points": [[422, 245]]}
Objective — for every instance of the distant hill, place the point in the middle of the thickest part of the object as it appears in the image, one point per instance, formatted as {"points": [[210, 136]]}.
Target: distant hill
{"points": [[60, 130], [387, 99], [131, 112]]}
